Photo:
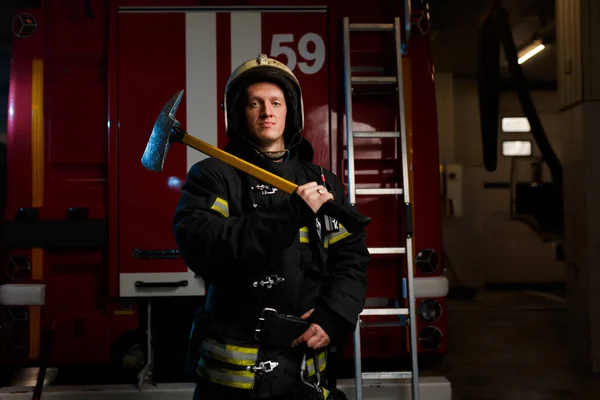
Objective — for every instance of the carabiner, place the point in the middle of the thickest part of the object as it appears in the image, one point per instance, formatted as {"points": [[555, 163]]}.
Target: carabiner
{"points": [[317, 370], [317, 385]]}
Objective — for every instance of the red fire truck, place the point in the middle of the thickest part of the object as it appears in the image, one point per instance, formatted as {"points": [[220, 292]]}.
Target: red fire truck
{"points": [[89, 252]]}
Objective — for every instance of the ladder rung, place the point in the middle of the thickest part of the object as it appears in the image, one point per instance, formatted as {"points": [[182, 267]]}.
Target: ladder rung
{"points": [[387, 250], [371, 27], [373, 79], [367, 68], [379, 191], [376, 135], [385, 311], [387, 375]]}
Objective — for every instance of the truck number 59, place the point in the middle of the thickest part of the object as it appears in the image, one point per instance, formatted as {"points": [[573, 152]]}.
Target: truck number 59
{"points": [[313, 56]]}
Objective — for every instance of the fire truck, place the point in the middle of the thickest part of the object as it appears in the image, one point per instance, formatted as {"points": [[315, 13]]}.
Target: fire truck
{"points": [[92, 273]]}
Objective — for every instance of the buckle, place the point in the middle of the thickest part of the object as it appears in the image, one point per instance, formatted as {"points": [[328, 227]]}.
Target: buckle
{"points": [[262, 318], [269, 281], [264, 367]]}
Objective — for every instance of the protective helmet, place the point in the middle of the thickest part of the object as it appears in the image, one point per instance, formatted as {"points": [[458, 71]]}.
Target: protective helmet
{"points": [[264, 69]]}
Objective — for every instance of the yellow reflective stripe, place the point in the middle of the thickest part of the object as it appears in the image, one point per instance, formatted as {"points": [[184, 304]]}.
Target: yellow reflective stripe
{"points": [[304, 234], [231, 354], [325, 393], [227, 377], [336, 236], [240, 349], [221, 206], [310, 364], [236, 355]]}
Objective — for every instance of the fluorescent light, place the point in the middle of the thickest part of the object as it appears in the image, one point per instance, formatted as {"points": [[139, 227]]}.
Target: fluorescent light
{"points": [[530, 52], [515, 124], [516, 148]]}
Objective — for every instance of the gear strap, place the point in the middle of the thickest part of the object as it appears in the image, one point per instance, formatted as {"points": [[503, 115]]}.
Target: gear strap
{"points": [[276, 329]]}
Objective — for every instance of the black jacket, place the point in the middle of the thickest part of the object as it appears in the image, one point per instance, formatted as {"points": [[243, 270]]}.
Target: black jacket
{"points": [[234, 233]]}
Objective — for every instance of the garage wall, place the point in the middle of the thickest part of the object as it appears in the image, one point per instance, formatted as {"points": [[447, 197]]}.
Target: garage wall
{"points": [[483, 244]]}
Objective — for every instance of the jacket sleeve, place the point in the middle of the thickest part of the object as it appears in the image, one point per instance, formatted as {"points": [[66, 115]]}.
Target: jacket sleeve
{"points": [[344, 292], [211, 241]]}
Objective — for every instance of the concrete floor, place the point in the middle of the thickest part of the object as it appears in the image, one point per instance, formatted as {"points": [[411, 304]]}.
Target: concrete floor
{"points": [[513, 345]]}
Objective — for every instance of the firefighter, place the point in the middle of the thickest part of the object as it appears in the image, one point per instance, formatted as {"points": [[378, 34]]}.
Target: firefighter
{"points": [[283, 281]]}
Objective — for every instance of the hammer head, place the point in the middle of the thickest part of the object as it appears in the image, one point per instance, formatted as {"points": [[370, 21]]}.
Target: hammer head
{"points": [[160, 139]]}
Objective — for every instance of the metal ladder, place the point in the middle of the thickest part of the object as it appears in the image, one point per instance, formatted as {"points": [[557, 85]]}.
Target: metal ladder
{"points": [[405, 191]]}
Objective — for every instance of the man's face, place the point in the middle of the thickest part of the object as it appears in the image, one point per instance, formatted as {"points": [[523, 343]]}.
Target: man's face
{"points": [[265, 115]]}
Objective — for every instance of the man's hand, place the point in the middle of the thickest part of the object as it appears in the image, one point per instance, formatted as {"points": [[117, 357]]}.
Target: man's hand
{"points": [[315, 337], [314, 195]]}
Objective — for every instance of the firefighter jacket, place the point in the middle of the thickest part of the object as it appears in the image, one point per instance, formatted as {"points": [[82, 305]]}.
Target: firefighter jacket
{"points": [[258, 248]]}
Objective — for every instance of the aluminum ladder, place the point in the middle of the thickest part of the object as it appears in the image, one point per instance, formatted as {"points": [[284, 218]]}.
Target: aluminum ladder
{"points": [[396, 80]]}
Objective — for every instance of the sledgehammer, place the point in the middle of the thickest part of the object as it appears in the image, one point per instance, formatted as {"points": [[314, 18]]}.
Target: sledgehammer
{"points": [[167, 130]]}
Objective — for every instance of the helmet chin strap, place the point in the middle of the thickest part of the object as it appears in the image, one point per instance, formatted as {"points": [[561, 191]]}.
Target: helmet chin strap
{"points": [[274, 155]]}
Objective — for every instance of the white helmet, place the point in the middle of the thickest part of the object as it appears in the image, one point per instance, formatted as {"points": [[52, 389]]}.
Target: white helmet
{"points": [[264, 69]]}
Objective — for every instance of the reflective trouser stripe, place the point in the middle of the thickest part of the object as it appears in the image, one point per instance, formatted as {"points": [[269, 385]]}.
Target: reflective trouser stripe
{"points": [[304, 235], [227, 377], [310, 364], [236, 355], [238, 358], [221, 206]]}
